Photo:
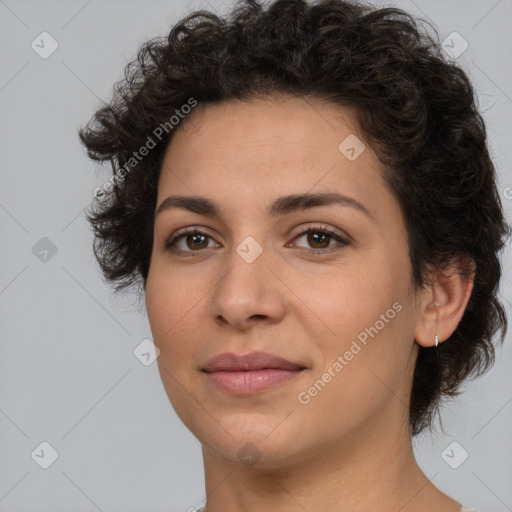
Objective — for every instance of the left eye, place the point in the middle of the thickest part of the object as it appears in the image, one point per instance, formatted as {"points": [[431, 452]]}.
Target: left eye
{"points": [[319, 238]]}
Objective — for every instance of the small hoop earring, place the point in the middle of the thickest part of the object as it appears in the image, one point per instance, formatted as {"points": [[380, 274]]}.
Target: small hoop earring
{"points": [[437, 340]]}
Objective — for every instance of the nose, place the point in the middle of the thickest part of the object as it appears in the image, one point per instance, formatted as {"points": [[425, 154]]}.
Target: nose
{"points": [[248, 294]]}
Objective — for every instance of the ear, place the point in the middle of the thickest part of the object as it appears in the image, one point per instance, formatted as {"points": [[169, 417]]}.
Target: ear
{"points": [[444, 300]]}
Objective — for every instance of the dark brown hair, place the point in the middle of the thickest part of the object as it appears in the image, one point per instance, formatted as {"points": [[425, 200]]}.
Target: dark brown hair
{"points": [[415, 107]]}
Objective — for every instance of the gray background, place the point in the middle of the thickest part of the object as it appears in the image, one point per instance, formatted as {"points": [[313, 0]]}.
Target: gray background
{"points": [[68, 374]]}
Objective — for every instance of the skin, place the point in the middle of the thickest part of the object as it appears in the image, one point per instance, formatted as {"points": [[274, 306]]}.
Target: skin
{"points": [[348, 448]]}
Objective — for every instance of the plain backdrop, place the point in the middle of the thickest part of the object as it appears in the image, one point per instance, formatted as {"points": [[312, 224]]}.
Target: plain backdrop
{"points": [[69, 377]]}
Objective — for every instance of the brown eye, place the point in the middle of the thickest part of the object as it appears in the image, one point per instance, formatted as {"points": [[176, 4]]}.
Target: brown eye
{"points": [[196, 241], [320, 239], [189, 241]]}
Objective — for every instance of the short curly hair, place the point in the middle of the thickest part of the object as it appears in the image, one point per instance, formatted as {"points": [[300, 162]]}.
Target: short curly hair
{"points": [[415, 107]]}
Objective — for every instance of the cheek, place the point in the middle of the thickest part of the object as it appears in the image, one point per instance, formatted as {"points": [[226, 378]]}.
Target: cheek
{"points": [[172, 314], [351, 297], [363, 364], [170, 306], [370, 312], [367, 320]]}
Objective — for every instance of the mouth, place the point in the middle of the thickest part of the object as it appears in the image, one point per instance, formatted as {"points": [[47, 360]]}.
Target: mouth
{"points": [[248, 374]]}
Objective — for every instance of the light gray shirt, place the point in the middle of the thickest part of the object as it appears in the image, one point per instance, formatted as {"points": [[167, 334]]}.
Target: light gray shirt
{"points": [[463, 509]]}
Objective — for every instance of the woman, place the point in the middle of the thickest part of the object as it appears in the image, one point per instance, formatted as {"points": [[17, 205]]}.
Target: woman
{"points": [[304, 196]]}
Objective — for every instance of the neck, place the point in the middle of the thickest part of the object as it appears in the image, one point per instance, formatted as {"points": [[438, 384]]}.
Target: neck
{"points": [[374, 470]]}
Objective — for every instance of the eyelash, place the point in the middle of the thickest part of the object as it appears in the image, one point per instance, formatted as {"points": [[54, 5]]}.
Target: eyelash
{"points": [[170, 244]]}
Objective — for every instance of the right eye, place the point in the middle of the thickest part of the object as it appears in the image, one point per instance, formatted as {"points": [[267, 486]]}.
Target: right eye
{"points": [[194, 239]]}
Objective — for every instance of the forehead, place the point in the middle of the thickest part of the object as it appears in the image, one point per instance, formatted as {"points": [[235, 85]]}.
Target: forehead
{"points": [[279, 127], [242, 150]]}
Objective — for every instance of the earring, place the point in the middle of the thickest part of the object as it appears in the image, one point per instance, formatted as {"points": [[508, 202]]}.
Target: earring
{"points": [[437, 340]]}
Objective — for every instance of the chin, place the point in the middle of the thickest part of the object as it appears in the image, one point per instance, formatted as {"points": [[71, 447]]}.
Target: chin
{"points": [[253, 440]]}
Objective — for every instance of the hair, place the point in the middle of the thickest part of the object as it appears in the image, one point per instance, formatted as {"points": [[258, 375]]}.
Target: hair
{"points": [[415, 107]]}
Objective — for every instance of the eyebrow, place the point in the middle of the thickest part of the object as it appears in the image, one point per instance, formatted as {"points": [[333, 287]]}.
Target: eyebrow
{"points": [[281, 206]]}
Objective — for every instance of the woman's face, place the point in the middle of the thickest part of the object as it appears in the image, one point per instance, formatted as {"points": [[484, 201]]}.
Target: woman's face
{"points": [[338, 307]]}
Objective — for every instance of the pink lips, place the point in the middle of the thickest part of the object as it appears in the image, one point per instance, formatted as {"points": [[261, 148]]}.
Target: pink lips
{"points": [[249, 374]]}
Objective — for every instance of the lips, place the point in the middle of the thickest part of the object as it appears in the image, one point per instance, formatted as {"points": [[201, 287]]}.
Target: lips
{"points": [[230, 362], [251, 373]]}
